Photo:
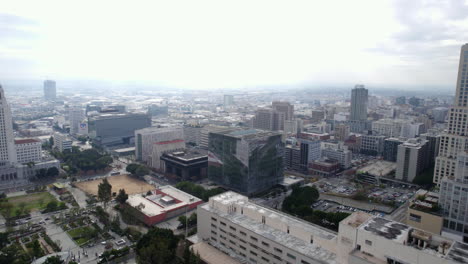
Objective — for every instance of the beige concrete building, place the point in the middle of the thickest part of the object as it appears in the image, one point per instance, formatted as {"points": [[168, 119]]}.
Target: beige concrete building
{"points": [[423, 212], [252, 233]]}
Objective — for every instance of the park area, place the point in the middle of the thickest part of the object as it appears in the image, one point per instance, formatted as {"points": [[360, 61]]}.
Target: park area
{"points": [[26, 203], [130, 184]]}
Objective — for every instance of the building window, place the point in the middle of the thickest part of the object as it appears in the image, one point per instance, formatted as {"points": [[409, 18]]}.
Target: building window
{"points": [[415, 218], [368, 242], [222, 223], [265, 259], [290, 256], [214, 219], [265, 243], [304, 262], [278, 250], [242, 233], [253, 238], [253, 253], [232, 228]]}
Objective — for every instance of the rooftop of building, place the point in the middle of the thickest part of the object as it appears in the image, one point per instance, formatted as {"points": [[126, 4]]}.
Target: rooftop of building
{"points": [[162, 200], [414, 143], [187, 154], [150, 130], [116, 115], [26, 141], [273, 234], [246, 133], [378, 168], [386, 228]]}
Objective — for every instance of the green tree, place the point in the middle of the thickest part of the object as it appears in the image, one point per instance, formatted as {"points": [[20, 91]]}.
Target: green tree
{"points": [[105, 192], [182, 220], [3, 240], [158, 246], [51, 141], [52, 172], [54, 260], [6, 207], [36, 249], [131, 168], [82, 139], [142, 171], [192, 219], [122, 196], [52, 206]]}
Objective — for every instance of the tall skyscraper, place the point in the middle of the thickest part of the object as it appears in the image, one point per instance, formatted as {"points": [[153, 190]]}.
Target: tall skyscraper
{"points": [[456, 138], [50, 91], [359, 101], [7, 140], [451, 169]]}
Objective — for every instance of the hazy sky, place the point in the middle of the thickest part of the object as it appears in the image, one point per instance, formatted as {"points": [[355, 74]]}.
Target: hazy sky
{"points": [[218, 44]]}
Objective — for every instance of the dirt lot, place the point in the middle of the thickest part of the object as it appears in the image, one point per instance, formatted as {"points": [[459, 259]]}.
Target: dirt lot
{"points": [[131, 185]]}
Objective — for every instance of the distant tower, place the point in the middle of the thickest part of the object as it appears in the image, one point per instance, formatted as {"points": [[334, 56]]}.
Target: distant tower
{"points": [[50, 91], [228, 101], [7, 143], [359, 100]]}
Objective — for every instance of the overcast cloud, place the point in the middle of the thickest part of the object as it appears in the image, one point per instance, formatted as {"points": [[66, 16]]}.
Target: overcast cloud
{"points": [[217, 44]]}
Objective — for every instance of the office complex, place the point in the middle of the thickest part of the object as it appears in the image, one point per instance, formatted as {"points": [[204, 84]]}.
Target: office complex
{"points": [[269, 119], [251, 233], [292, 158], [247, 161], [116, 129], [433, 139], [50, 91], [146, 138], [390, 151], [412, 159], [310, 151], [341, 132], [336, 151], [161, 147], [76, 115], [204, 137], [372, 144], [62, 142], [284, 107], [28, 150]]}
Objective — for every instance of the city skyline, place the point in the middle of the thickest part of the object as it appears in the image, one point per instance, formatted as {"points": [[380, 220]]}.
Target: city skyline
{"points": [[212, 45]]}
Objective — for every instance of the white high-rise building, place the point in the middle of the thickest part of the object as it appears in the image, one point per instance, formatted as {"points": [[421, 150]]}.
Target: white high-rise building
{"points": [[7, 140], [451, 168], [76, 115], [50, 90], [456, 138]]}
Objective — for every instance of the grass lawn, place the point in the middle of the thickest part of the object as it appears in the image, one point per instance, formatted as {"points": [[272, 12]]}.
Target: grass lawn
{"points": [[33, 202], [82, 234]]}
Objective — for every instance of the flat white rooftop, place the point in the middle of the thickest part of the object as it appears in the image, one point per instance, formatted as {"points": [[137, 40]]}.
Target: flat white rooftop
{"points": [[164, 199]]}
